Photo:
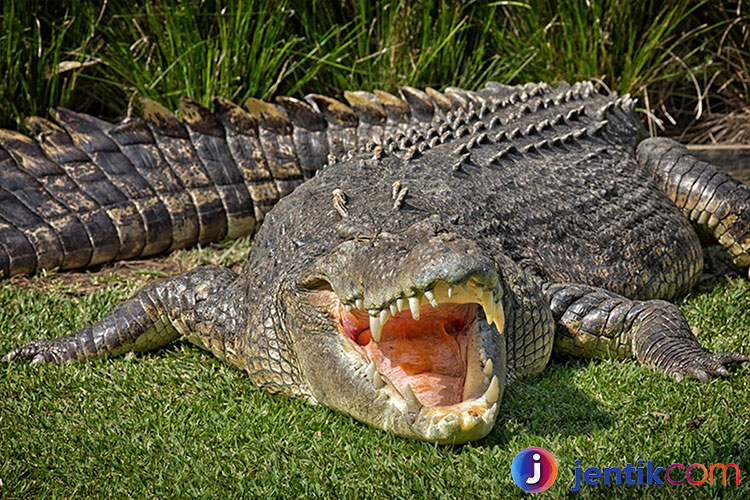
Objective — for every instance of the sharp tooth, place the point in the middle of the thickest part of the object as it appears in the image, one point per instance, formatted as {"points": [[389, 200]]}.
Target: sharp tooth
{"points": [[384, 315], [411, 400], [400, 303], [377, 381], [376, 328], [493, 391], [489, 307], [414, 306], [499, 318], [430, 296], [359, 303], [370, 370], [393, 308], [487, 370], [489, 415], [348, 307], [450, 292], [488, 313], [483, 356]]}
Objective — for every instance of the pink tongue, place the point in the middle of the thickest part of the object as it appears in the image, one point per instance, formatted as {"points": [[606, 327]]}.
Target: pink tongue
{"points": [[430, 360]]}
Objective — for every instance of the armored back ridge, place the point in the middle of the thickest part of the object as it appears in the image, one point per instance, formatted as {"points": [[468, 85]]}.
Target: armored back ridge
{"points": [[86, 191]]}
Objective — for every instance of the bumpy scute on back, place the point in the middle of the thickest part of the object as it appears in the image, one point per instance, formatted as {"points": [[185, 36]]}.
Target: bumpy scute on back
{"points": [[84, 192]]}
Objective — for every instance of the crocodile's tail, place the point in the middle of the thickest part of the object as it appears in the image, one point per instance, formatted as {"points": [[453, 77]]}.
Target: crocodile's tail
{"points": [[85, 191]]}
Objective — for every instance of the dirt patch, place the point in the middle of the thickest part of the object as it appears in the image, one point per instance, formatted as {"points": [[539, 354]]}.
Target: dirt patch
{"points": [[143, 271]]}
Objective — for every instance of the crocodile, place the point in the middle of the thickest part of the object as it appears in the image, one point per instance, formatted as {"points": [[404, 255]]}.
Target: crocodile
{"points": [[422, 252]]}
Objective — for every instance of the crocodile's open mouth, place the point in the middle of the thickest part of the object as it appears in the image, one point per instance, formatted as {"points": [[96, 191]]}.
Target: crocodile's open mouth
{"points": [[428, 355], [425, 354]]}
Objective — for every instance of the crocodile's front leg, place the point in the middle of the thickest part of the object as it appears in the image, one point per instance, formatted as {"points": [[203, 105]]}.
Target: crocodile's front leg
{"points": [[592, 322], [187, 305]]}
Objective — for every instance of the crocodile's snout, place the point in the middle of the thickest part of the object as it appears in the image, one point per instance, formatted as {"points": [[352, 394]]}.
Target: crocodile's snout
{"points": [[415, 342]]}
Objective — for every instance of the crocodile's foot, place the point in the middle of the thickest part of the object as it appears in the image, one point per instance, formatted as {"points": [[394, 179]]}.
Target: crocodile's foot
{"points": [[38, 351], [665, 342], [704, 364]]}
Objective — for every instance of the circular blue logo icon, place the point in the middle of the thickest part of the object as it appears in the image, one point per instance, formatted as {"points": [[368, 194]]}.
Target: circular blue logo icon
{"points": [[534, 469]]}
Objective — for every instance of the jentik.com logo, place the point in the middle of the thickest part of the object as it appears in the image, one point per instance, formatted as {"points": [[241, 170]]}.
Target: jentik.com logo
{"points": [[649, 474], [534, 469]]}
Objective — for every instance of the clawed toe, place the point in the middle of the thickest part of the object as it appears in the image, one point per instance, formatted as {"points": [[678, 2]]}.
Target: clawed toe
{"points": [[16, 354], [707, 365], [34, 352]]}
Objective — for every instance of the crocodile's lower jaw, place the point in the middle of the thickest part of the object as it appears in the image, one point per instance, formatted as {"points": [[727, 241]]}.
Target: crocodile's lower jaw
{"points": [[430, 371]]}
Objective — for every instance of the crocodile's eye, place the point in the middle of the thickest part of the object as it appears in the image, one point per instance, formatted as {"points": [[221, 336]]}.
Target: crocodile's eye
{"points": [[316, 284]]}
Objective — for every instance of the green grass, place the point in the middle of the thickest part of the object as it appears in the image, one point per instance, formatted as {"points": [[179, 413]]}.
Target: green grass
{"points": [[178, 422], [98, 57]]}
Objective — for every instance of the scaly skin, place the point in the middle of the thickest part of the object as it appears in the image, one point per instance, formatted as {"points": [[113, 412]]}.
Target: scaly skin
{"points": [[86, 191], [543, 207]]}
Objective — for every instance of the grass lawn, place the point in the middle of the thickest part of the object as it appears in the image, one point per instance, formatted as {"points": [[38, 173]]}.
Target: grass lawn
{"points": [[180, 423]]}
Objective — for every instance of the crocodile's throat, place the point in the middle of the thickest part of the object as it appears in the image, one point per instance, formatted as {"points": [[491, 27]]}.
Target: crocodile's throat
{"points": [[429, 354]]}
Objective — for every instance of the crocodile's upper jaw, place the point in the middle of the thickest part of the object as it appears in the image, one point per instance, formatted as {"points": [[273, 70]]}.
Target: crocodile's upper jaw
{"points": [[425, 366]]}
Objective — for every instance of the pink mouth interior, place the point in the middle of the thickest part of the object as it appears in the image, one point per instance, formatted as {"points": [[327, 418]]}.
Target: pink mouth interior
{"points": [[429, 354]]}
